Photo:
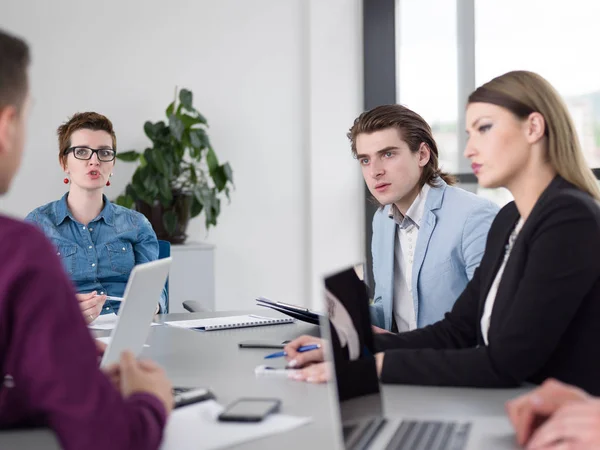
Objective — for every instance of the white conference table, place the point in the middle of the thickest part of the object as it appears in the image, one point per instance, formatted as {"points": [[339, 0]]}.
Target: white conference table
{"points": [[214, 360]]}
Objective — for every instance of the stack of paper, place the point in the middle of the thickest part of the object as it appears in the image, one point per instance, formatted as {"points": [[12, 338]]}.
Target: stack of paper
{"points": [[196, 426]]}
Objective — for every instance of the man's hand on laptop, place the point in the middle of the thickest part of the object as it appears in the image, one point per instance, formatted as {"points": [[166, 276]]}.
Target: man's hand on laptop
{"points": [[315, 373], [531, 410], [298, 359], [142, 376], [91, 305], [575, 425]]}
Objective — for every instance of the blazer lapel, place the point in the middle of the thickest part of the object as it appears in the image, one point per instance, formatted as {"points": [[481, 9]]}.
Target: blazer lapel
{"points": [[498, 256], [389, 244], [425, 232], [433, 202]]}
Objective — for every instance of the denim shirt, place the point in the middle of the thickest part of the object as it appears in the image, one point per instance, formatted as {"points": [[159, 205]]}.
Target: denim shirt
{"points": [[99, 256]]}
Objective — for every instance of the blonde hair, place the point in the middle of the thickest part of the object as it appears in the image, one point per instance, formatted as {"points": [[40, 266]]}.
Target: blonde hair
{"points": [[523, 93]]}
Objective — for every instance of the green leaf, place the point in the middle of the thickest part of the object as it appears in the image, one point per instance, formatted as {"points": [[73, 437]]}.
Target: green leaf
{"points": [[212, 161], [149, 130], [219, 178], [228, 172], [176, 127], [170, 109], [129, 156], [140, 191], [169, 221], [185, 97], [164, 190], [196, 208], [199, 194], [198, 138], [156, 160], [195, 140], [209, 216], [190, 121], [216, 207]]}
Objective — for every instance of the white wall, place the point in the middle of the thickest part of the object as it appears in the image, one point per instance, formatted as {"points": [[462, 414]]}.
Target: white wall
{"points": [[280, 83]]}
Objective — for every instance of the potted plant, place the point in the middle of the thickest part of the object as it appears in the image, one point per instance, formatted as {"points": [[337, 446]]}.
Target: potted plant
{"points": [[179, 176]]}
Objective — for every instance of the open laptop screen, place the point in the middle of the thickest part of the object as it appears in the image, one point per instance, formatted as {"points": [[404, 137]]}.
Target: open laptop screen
{"points": [[351, 335]]}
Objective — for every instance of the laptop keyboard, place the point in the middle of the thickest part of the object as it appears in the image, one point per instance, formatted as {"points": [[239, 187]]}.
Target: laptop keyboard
{"points": [[358, 435], [425, 435]]}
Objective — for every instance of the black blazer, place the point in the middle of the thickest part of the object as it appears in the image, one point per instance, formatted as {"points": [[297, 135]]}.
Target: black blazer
{"points": [[546, 316]]}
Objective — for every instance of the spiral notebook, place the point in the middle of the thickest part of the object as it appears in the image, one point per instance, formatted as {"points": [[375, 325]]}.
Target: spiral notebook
{"points": [[220, 323]]}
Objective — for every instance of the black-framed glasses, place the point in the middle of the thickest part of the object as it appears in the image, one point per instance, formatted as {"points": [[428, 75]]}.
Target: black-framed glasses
{"points": [[85, 153]]}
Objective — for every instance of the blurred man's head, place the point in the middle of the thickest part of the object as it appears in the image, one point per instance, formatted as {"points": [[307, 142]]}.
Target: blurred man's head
{"points": [[14, 105]]}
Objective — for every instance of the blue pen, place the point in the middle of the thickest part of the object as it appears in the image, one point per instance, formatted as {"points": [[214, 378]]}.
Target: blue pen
{"points": [[304, 348]]}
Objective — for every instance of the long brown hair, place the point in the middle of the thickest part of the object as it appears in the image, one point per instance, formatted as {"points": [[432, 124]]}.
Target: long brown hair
{"points": [[413, 130], [523, 93]]}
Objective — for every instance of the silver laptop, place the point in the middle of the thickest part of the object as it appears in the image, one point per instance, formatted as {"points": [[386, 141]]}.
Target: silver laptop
{"points": [[141, 296], [143, 290], [355, 394]]}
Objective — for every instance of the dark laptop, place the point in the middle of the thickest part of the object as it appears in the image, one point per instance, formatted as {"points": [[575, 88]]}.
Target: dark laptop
{"points": [[358, 395]]}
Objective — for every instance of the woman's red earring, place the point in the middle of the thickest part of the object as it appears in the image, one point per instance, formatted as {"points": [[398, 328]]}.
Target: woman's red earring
{"points": [[108, 183], [66, 181]]}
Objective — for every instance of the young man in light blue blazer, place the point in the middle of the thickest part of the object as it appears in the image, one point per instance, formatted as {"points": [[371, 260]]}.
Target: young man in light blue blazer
{"points": [[428, 236]]}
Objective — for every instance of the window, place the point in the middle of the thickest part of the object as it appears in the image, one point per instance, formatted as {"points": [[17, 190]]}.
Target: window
{"points": [[427, 69]]}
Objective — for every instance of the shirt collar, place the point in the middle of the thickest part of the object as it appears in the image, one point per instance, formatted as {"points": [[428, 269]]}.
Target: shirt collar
{"points": [[62, 211], [108, 212], [414, 215]]}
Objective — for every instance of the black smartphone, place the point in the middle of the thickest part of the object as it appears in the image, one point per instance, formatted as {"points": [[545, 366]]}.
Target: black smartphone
{"points": [[250, 409], [262, 344]]}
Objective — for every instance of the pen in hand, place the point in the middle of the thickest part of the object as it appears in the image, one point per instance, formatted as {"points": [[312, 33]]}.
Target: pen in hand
{"points": [[304, 348]]}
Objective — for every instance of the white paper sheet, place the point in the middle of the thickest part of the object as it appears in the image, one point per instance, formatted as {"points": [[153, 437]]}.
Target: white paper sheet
{"points": [[196, 426], [107, 339], [104, 322], [108, 322]]}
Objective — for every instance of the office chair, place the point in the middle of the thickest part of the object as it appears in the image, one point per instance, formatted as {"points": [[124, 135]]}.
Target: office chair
{"points": [[193, 306], [164, 251]]}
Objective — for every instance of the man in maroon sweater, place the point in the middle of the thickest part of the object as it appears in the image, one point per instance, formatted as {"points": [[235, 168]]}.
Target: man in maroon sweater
{"points": [[48, 361]]}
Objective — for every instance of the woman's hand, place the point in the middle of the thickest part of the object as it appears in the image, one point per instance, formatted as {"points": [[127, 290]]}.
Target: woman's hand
{"points": [[90, 305], [531, 410], [298, 359], [315, 373]]}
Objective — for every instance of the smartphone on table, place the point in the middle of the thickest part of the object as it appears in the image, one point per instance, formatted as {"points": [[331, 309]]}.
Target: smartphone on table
{"points": [[250, 409]]}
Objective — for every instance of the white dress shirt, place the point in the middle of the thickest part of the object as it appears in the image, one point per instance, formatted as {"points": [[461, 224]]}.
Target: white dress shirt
{"points": [[407, 232], [491, 297]]}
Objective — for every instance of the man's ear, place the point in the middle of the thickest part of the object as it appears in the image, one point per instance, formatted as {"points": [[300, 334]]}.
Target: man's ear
{"points": [[424, 154], [8, 120]]}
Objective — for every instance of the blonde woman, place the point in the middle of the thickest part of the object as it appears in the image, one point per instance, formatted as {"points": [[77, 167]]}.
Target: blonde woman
{"points": [[532, 308]]}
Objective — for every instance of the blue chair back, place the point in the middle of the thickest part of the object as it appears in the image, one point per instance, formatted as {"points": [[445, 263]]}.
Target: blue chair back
{"points": [[164, 251]]}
